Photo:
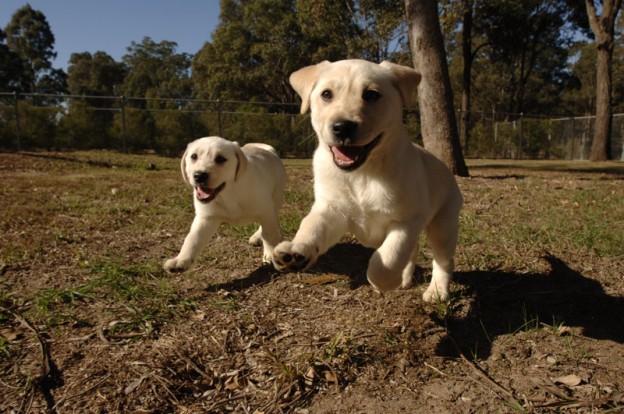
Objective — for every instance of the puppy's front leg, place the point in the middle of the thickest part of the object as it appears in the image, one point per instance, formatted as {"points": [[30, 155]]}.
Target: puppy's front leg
{"points": [[319, 231], [201, 232], [388, 263]]}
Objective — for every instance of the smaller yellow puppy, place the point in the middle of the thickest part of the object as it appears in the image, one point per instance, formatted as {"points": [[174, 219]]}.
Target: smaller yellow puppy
{"points": [[231, 185]]}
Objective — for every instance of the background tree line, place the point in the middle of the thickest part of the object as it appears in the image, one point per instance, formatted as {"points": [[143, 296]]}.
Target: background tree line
{"points": [[505, 57]]}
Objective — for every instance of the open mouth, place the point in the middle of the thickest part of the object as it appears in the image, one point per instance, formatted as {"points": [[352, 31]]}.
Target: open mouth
{"points": [[350, 157], [206, 194]]}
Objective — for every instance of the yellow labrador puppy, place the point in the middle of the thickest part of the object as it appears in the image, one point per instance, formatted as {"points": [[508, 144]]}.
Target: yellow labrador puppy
{"points": [[370, 179], [231, 185]]}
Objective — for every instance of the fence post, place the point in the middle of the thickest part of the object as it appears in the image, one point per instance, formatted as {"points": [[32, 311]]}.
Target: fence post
{"points": [[495, 126], [622, 138], [573, 141], [124, 146], [17, 126], [520, 137], [219, 110]]}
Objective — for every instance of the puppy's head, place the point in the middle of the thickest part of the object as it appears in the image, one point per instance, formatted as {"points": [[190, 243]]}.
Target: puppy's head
{"points": [[210, 164], [355, 105]]}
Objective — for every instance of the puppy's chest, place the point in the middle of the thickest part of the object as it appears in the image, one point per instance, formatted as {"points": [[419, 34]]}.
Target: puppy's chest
{"points": [[370, 198], [370, 209], [227, 211]]}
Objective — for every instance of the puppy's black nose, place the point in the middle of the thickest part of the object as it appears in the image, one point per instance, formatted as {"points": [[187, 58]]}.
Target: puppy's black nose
{"points": [[200, 177], [344, 130]]}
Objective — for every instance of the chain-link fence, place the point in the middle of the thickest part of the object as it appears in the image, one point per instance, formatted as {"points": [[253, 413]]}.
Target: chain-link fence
{"points": [[64, 122], [53, 122], [531, 137]]}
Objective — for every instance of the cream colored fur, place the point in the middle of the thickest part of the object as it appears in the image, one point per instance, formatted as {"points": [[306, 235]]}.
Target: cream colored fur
{"points": [[399, 190], [252, 180]]}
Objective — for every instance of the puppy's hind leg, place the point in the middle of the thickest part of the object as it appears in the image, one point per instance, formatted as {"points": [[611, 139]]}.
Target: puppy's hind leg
{"points": [[408, 271], [269, 235], [442, 236], [256, 238]]}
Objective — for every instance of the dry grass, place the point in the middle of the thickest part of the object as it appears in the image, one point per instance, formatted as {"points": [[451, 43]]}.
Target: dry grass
{"points": [[90, 323]]}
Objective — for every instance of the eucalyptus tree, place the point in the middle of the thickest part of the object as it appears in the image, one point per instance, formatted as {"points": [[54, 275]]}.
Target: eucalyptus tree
{"points": [[11, 68], [156, 70], [602, 24], [29, 36], [259, 43], [254, 48], [95, 74], [438, 122], [96, 77]]}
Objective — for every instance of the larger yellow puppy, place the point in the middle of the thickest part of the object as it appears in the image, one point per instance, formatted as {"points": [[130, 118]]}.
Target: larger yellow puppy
{"points": [[370, 179]]}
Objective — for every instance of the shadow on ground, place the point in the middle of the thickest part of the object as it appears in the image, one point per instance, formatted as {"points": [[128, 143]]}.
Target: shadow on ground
{"points": [[506, 302], [501, 302], [348, 259]]}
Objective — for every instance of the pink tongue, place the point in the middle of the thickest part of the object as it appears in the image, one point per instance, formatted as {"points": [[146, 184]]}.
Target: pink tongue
{"points": [[204, 193], [346, 154]]}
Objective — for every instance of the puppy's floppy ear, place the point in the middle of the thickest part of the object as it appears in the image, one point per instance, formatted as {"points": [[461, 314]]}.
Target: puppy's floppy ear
{"points": [[406, 80], [183, 167], [304, 80], [241, 167]]}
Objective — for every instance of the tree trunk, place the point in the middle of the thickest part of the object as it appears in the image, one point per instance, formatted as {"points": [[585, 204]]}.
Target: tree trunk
{"points": [[467, 73], [603, 27], [435, 96], [601, 144]]}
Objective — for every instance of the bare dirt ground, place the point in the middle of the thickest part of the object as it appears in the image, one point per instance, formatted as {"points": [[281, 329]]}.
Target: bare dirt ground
{"points": [[89, 322]]}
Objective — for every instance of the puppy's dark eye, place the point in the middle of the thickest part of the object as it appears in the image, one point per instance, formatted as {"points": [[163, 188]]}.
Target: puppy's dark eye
{"points": [[371, 95], [327, 95], [193, 157], [220, 159]]}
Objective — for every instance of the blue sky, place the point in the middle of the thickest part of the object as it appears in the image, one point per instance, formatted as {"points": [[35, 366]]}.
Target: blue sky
{"points": [[111, 25]]}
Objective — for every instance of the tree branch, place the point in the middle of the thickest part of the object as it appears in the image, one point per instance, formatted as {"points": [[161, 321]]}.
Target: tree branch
{"points": [[591, 14]]}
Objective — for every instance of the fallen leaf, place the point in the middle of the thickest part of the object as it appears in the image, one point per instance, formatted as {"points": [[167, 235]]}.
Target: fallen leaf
{"points": [[568, 380], [11, 335], [330, 377], [321, 279], [198, 316], [233, 383], [309, 376], [134, 385]]}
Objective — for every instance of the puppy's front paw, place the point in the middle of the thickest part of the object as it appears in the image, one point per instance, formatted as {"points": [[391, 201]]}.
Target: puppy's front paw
{"points": [[435, 294], [176, 265], [289, 257], [267, 257]]}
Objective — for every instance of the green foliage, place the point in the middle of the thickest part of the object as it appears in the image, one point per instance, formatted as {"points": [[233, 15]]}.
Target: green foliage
{"points": [[11, 67], [96, 74], [84, 127], [156, 70], [254, 47], [39, 131], [527, 58], [579, 97], [259, 43], [174, 129], [140, 129], [520, 51], [29, 36]]}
